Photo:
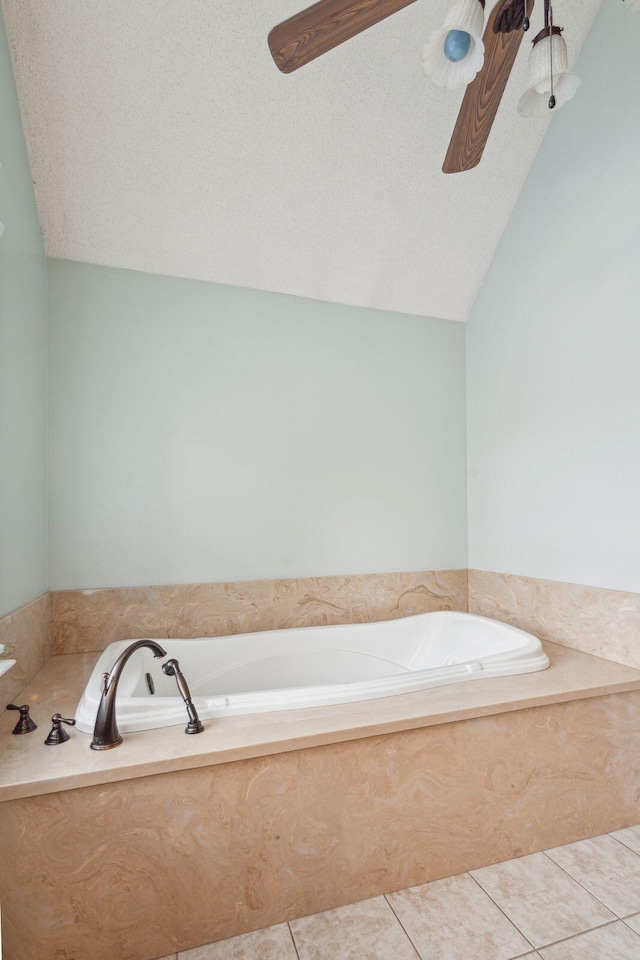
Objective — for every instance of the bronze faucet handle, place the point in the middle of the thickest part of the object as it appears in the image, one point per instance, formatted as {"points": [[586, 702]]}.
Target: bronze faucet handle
{"points": [[57, 734], [25, 724]]}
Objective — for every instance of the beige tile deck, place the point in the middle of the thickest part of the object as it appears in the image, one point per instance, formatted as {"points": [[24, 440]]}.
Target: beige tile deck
{"points": [[274, 943], [58, 687], [361, 931], [541, 899], [454, 919], [613, 942], [606, 867]]}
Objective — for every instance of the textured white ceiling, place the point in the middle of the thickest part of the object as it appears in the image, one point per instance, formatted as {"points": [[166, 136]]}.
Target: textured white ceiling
{"points": [[163, 138]]}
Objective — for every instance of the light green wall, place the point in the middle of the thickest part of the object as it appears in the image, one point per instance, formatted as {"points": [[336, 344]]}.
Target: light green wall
{"points": [[202, 432], [553, 343], [23, 364]]}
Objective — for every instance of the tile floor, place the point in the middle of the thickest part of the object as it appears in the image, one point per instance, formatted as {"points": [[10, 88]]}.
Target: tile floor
{"points": [[577, 902]]}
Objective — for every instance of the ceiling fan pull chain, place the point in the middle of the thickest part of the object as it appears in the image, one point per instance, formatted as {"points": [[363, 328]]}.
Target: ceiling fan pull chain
{"points": [[526, 23], [548, 12]]}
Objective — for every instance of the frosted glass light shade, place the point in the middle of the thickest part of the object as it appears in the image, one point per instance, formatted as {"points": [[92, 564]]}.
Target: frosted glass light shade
{"points": [[633, 5], [465, 17], [535, 100]]}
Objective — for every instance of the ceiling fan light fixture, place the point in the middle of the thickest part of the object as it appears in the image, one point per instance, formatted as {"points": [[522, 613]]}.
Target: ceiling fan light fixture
{"points": [[548, 75], [454, 54]]}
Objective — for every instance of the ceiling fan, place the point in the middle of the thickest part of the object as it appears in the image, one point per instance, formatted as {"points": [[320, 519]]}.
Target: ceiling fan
{"points": [[328, 23]]}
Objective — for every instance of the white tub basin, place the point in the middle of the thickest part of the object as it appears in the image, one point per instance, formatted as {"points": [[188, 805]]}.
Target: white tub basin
{"points": [[310, 667]]}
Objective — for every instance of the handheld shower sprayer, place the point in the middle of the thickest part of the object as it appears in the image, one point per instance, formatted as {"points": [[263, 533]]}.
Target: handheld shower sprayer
{"points": [[172, 669]]}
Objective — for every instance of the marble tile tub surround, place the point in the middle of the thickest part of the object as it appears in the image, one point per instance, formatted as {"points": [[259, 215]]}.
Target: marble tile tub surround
{"points": [[603, 622], [246, 845], [26, 635], [87, 620], [476, 916]]}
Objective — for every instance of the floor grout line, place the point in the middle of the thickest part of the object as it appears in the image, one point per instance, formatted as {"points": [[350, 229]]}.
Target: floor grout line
{"points": [[293, 939], [402, 926], [580, 884], [622, 843], [583, 933], [503, 912]]}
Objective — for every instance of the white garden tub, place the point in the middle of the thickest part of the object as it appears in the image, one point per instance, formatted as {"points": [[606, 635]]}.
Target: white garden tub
{"points": [[310, 667]]}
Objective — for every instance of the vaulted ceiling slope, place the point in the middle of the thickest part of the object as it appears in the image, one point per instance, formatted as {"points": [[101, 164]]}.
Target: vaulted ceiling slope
{"points": [[163, 138]]}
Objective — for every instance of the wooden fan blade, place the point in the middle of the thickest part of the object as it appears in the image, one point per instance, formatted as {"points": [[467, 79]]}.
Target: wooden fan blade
{"points": [[324, 26], [483, 96]]}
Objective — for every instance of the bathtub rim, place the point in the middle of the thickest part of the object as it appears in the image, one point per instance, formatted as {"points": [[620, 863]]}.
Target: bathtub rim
{"points": [[527, 656]]}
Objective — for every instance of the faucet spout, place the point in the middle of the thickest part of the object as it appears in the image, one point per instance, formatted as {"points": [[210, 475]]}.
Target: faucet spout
{"points": [[105, 733]]}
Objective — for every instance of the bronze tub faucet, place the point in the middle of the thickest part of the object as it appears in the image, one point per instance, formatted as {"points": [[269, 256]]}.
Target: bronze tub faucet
{"points": [[105, 733]]}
